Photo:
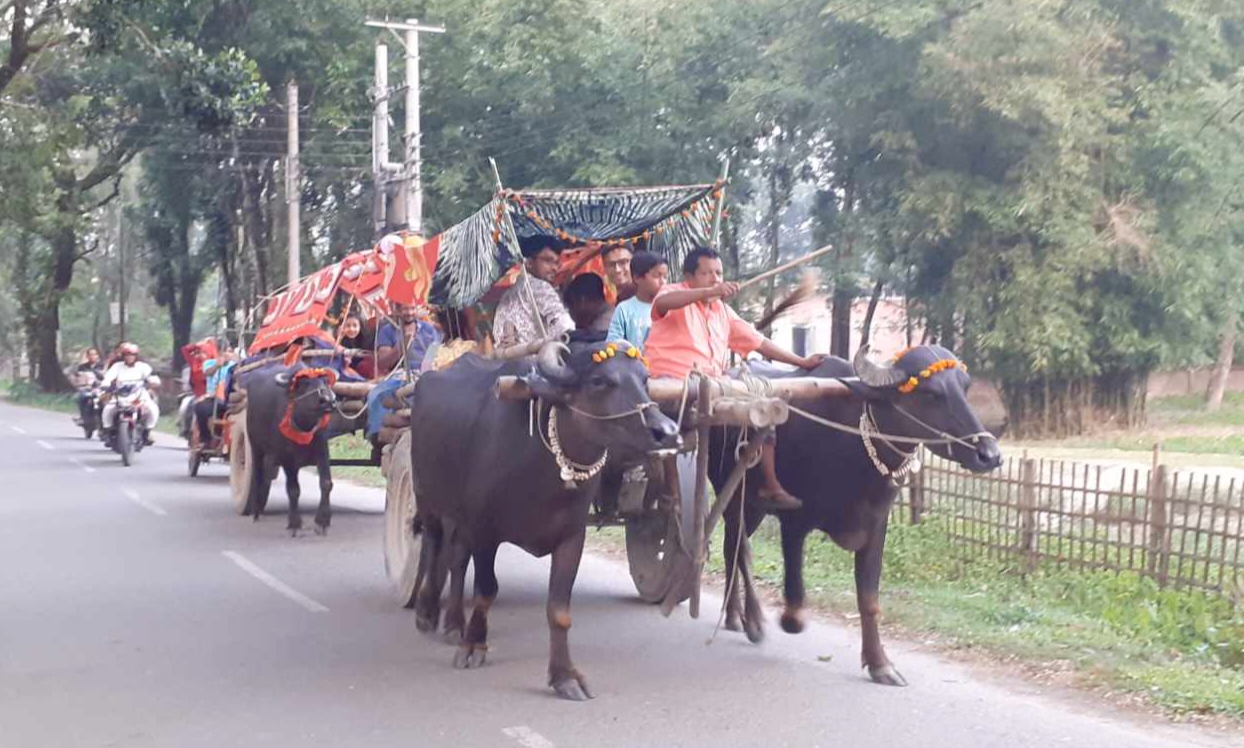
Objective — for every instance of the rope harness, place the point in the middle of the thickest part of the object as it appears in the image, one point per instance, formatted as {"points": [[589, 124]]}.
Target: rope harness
{"points": [[288, 428], [868, 431]]}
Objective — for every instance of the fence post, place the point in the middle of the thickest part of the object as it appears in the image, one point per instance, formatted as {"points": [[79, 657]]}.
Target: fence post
{"points": [[1157, 561], [1028, 514], [916, 494]]}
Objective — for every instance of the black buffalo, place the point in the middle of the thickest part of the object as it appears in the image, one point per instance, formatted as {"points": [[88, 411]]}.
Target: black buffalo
{"points": [[286, 406], [483, 478], [843, 491]]}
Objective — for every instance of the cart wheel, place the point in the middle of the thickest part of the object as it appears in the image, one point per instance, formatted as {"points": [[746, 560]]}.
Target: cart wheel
{"points": [[401, 544], [240, 466], [193, 457], [654, 549]]}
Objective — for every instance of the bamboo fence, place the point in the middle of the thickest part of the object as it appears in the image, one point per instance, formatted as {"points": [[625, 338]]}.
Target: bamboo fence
{"points": [[1180, 528]]}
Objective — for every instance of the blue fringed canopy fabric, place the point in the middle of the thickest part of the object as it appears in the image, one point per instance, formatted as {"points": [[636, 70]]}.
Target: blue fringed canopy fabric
{"points": [[477, 252]]}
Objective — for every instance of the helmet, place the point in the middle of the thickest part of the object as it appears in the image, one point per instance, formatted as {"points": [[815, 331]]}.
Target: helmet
{"points": [[129, 349]]}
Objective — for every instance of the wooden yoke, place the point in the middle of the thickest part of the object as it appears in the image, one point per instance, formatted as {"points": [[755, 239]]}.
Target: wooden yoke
{"points": [[670, 391]]}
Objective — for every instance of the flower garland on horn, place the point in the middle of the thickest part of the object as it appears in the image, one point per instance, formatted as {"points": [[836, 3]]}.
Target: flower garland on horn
{"points": [[934, 368]]}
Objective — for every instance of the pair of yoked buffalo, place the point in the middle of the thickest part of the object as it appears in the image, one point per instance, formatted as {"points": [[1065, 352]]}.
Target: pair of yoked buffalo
{"points": [[483, 477]]}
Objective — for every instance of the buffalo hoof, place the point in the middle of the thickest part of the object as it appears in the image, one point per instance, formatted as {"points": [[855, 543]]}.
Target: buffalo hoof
{"points": [[321, 529], [452, 635], [293, 531], [792, 621], [733, 622], [425, 623], [573, 688], [755, 630], [886, 675], [470, 657]]}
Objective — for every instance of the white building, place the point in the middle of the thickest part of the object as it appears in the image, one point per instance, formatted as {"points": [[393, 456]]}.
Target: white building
{"points": [[806, 328]]}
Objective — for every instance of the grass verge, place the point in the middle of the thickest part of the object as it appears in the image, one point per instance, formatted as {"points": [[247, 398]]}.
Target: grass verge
{"points": [[1182, 651], [355, 446], [24, 393]]}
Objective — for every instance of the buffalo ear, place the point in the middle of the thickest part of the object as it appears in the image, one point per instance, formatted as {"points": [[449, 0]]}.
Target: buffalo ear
{"points": [[546, 390], [865, 392], [281, 378]]}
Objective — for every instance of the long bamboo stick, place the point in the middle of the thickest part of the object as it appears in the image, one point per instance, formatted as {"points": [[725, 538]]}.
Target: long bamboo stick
{"points": [[785, 266]]}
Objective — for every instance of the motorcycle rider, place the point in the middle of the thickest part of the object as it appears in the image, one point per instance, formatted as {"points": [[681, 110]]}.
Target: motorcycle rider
{"points": [[86, 375], [129, 370]]}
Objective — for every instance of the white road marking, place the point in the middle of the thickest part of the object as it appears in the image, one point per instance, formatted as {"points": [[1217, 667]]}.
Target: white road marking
{"points": [[133, 496], [82, 464], [527, 737], [18, 429], [45, 445], [247, 566]]}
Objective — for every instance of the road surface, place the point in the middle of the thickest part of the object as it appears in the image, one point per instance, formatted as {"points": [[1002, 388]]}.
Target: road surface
{"points": [[136, 609]]}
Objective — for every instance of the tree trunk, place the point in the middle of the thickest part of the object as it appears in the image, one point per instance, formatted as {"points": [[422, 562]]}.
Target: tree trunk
{"points": [[1222, 365], [844, 296], [64, 245], [181, 316]]}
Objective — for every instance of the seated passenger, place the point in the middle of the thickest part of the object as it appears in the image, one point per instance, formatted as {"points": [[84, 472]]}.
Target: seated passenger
{"points": [[531, 310], [419, 334], [585, 301], [353, 337], [632, 319], [693, 327], [213, 401], [617, 262]]}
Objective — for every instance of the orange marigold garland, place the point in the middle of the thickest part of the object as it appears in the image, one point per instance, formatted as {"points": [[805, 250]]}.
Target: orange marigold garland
{"points": [[611, 350], [933, 368]]}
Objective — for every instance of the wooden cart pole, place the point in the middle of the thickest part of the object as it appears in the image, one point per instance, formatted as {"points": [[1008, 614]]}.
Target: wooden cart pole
{"points": [[698, 541], [721, 203]]}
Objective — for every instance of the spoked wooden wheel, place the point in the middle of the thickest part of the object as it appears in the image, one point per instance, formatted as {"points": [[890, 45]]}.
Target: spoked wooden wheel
{"points": [[654, 549], [240, 466], [401, 544], [193, 449]]}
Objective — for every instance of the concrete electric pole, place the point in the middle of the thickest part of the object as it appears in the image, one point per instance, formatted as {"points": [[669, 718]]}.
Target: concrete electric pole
{"points": [[293, 181], [408, 208]]}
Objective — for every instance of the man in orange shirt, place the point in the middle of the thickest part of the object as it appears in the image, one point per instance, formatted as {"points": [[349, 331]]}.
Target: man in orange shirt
{"points": [[693, 327]]}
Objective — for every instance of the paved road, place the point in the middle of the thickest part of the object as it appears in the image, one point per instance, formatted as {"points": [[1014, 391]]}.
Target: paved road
{"points": [[136, 609]]}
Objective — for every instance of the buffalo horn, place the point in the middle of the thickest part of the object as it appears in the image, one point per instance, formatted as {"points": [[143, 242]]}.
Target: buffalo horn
{"points": [[550, 362], [876, 376]]}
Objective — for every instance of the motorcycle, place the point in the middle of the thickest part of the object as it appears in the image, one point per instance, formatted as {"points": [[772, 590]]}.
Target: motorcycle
{"points": [[130, 431], [89, 404], [90, 412]]}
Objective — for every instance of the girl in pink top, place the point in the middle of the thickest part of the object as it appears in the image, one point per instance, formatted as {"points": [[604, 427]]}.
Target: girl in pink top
{"points": [[692, 326]]}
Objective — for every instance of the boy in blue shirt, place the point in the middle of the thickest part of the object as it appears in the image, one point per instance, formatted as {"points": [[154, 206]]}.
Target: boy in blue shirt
{"points": [[632, 319]]}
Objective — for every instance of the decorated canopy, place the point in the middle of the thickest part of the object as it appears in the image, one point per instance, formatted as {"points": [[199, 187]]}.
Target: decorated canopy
{"points": [[457, 267], [476, 253]]}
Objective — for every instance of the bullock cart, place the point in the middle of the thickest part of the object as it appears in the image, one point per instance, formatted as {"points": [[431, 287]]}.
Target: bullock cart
{"points": [[667, 521], [292, 331]]}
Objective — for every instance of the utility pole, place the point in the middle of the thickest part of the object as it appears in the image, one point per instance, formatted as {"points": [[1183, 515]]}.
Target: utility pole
{"points": [[121, 274], [293, 181], [380, 165], [409, 208]]}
